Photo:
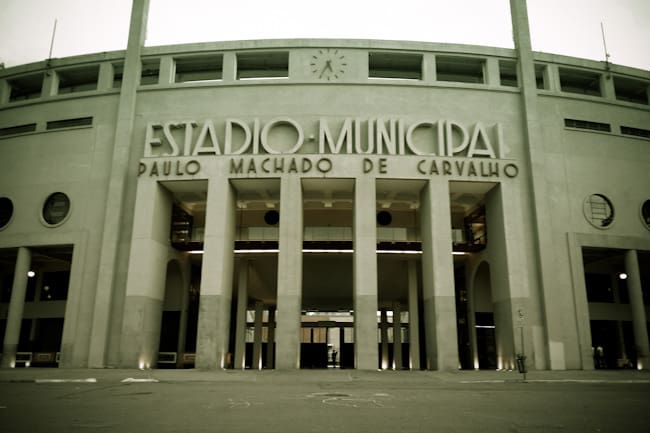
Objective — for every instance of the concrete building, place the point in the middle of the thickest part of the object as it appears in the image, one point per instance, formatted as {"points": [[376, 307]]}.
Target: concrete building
{"points": [[324, 203]]}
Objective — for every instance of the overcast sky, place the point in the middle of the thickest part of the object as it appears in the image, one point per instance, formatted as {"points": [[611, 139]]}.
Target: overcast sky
{"points": [[570, 27]]}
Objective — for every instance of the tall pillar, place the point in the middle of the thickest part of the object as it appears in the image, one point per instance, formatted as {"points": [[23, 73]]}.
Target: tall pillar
{"points": [[638, 310], [257, 336], [397, 337], [365, 274], [287, 355], [438, 294], [270, 337], [16, 306], [383, 327], [145, 286], [414, 316], [216, 276], [242, 306], [115, 243]]}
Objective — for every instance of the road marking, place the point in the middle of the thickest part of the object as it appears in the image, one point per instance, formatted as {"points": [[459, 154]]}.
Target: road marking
{"points": [[133, 380], [238, 404], [89, 380]]}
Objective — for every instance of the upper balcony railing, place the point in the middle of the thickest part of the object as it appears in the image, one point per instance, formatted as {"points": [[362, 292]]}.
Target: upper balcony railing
{"points": [[314, 61]]}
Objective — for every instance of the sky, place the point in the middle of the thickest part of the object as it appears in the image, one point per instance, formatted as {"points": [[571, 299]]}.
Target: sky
{"points": [[568, 27]]}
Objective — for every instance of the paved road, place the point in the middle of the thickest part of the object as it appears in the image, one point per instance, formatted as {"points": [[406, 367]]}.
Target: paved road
{"points": [[334, 402]]}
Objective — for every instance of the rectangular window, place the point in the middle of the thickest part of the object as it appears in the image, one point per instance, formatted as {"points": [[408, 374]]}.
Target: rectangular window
{"points": [[586, 124], [636, 132], [460, 69], [69, 123], [27, 87], [150, 72], [78, 79], [255, 65], [631, 90], [508, 73], [198, 68], [540, 71], [401, 66], [580, 82], [19, 129]]}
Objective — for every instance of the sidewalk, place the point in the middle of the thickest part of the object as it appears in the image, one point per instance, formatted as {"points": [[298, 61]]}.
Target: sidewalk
{"points": [[43, 375]]}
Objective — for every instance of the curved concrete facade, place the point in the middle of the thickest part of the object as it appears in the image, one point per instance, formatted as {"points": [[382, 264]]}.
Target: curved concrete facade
{"points": [[325, 203]]}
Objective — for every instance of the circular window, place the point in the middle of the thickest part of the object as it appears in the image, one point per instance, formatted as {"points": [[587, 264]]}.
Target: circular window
{"points": [[598, 210], [6, 211], [56, 209], [645, 213], [384, 218], [272, 217]]}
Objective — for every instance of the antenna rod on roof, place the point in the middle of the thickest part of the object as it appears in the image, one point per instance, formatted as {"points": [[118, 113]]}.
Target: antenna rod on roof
{"points": [[52, 42], [602, 31]]}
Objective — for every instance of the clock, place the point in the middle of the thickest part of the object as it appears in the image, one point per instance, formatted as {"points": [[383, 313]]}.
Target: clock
{"points": [[328, 64]]}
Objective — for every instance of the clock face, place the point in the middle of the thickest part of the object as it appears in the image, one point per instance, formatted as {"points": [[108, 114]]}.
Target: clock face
{"points": [[328, 64]]}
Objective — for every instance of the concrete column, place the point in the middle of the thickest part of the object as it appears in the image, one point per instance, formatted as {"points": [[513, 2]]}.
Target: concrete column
{"points": [[242, 306], [145, 286], [167, 73], [397, 336], [438, 293], [383, 326], [287, 355], [50, 84], [429, 74], [216, 276], [607, 89], [5, 91], [638, 310], [492, 72], [257, 336], [414, 316], [16, 307], [229, 67], [270, 338], [365, 274], [105, 79], [115, 245]]}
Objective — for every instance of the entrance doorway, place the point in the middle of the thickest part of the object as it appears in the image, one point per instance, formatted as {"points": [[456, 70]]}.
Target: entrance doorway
{"points": [[327, 340]]}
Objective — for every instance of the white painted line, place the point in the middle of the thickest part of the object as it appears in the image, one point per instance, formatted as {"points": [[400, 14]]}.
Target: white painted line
{"points": [[89, 380], [133, 380]]}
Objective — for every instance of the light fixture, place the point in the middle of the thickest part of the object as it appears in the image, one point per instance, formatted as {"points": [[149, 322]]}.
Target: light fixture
{"points": [[622, 276], [31, 274]]}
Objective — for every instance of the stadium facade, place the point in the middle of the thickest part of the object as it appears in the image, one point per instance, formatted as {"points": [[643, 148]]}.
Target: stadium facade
{"points": [[324, 204]]}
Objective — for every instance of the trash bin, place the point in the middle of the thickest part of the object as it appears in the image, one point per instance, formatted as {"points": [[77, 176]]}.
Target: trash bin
{"points": [[521, 363]]}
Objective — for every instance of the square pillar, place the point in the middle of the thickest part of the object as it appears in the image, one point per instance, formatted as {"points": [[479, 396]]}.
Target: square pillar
{"points": [[414, 316], [16, 308], [438, 293], [145, 284], [257, 336], [397, 337], [270, 338], [289, 274], [242, 306], [639, 323], [365, 274], [216, 276], [383, 327]]}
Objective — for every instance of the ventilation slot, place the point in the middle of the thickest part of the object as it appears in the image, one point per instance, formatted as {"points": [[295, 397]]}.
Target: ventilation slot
{"points": [[69, 123], [252, 66], [636, 132], [585, 124], [402, 66], [20, 129]]}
